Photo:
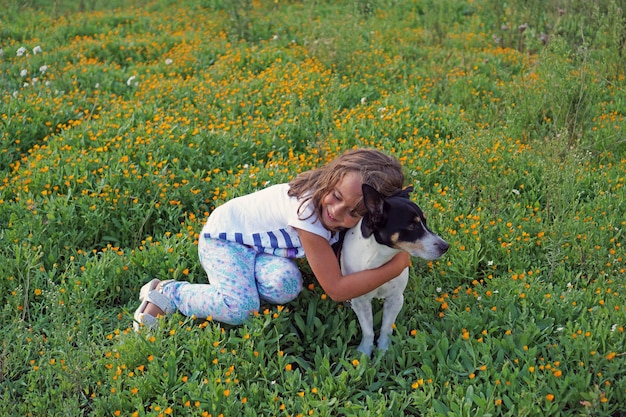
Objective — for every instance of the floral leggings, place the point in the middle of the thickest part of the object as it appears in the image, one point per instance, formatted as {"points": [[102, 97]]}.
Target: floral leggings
{"points": [[239, 279]]}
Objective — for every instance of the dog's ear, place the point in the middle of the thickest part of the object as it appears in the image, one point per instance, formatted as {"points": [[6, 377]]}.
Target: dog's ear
{"points": [[405, 192], [372, 200], [374, 203]]}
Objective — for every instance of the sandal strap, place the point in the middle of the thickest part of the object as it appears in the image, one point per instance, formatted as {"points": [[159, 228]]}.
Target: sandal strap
{"points": [[144, 320], [152, 285], [161, 301]]}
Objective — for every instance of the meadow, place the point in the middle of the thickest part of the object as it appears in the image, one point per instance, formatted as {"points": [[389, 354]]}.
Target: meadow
{"points": [[123, 124]]}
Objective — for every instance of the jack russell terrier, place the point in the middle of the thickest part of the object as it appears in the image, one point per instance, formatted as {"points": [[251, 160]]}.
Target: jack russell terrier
{"points": [[390, 226]]}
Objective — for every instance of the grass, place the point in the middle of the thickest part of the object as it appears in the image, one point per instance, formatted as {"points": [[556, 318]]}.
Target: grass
{"points": [[124, 125]]}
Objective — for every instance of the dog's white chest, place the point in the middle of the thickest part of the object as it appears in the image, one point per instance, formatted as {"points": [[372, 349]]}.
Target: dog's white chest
{"points": [[359, 253]]}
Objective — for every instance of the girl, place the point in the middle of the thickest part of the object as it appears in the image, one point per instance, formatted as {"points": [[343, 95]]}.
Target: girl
{"points": [[248, 244]]}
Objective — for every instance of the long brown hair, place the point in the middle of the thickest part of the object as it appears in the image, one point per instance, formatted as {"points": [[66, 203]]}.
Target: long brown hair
{"points": [[377, 169]]}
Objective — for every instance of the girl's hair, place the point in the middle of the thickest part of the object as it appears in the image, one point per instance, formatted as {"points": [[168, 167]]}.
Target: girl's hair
{"points": [[377, 169]]}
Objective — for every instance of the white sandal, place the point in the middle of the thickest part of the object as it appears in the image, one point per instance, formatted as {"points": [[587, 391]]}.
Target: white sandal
{"points": [[150, 286], [154, 285], [150, 294]]}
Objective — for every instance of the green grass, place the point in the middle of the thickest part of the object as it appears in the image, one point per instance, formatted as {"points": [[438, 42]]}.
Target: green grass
{"points": [[124, 125]]}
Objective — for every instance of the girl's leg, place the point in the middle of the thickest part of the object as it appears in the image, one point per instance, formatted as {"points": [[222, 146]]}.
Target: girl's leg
{"points": [[278, 279], [231, 295]]}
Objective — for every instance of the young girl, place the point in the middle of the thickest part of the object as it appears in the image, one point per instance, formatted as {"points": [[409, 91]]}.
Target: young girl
{"points": [[248, 244]]}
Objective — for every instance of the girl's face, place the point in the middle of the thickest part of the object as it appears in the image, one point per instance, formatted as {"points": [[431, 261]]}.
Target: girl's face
{"points": [[339, 205]]}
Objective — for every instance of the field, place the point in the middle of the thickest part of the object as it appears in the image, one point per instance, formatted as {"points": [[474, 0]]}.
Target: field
{"points": [[123, 124]]}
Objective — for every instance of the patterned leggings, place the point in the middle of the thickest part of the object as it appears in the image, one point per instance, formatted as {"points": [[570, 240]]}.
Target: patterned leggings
{"points": [[239, 279]]}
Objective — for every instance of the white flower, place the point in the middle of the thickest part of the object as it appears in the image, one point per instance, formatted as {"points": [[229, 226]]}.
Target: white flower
{"points": [[25, 85], [21, 51], [37, 50], [438, 289], [516, 192], [490, 263], [97, 86], [614, 327], [23, 73], [363, 100], [130, 80], [275, 38], [169, 61], [43, 68]]}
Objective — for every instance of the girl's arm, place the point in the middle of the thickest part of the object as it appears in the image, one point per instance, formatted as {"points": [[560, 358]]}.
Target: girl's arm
{"points": [[325, 266]]}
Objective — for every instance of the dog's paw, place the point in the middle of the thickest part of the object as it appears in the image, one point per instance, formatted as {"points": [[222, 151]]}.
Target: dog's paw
{"points": [[383, 343], [366, 348]]}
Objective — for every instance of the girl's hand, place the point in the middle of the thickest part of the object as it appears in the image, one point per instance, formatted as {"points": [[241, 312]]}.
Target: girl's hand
{"points": [[325, 267], [399, 262]]}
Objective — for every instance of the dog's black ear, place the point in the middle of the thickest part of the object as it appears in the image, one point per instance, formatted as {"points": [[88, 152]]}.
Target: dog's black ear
{"points": [[372, 200], [405, 192], [374, 203]]}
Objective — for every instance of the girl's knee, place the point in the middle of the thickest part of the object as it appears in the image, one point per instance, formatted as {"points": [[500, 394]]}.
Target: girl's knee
{"points": [[284, 294], [279, 285]]}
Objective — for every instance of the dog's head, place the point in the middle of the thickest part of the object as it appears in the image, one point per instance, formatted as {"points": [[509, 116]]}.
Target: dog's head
{"points": [[399, 223]]}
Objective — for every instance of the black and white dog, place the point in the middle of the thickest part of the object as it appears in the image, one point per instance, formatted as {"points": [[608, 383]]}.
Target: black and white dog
{"points": [[390, 226]]}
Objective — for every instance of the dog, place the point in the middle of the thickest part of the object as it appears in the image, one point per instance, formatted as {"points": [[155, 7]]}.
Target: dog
{"points": [[391, 225]]}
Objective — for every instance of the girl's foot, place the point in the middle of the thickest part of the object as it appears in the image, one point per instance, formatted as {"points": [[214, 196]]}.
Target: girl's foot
{"points": [[153, 305]]}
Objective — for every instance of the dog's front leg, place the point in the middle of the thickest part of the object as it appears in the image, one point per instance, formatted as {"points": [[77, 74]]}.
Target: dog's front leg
{"points": [[391, 309], [362, 306]]}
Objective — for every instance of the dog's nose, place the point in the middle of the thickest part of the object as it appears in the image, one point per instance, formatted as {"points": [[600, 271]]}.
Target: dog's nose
{"points": [[443, 246]]}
